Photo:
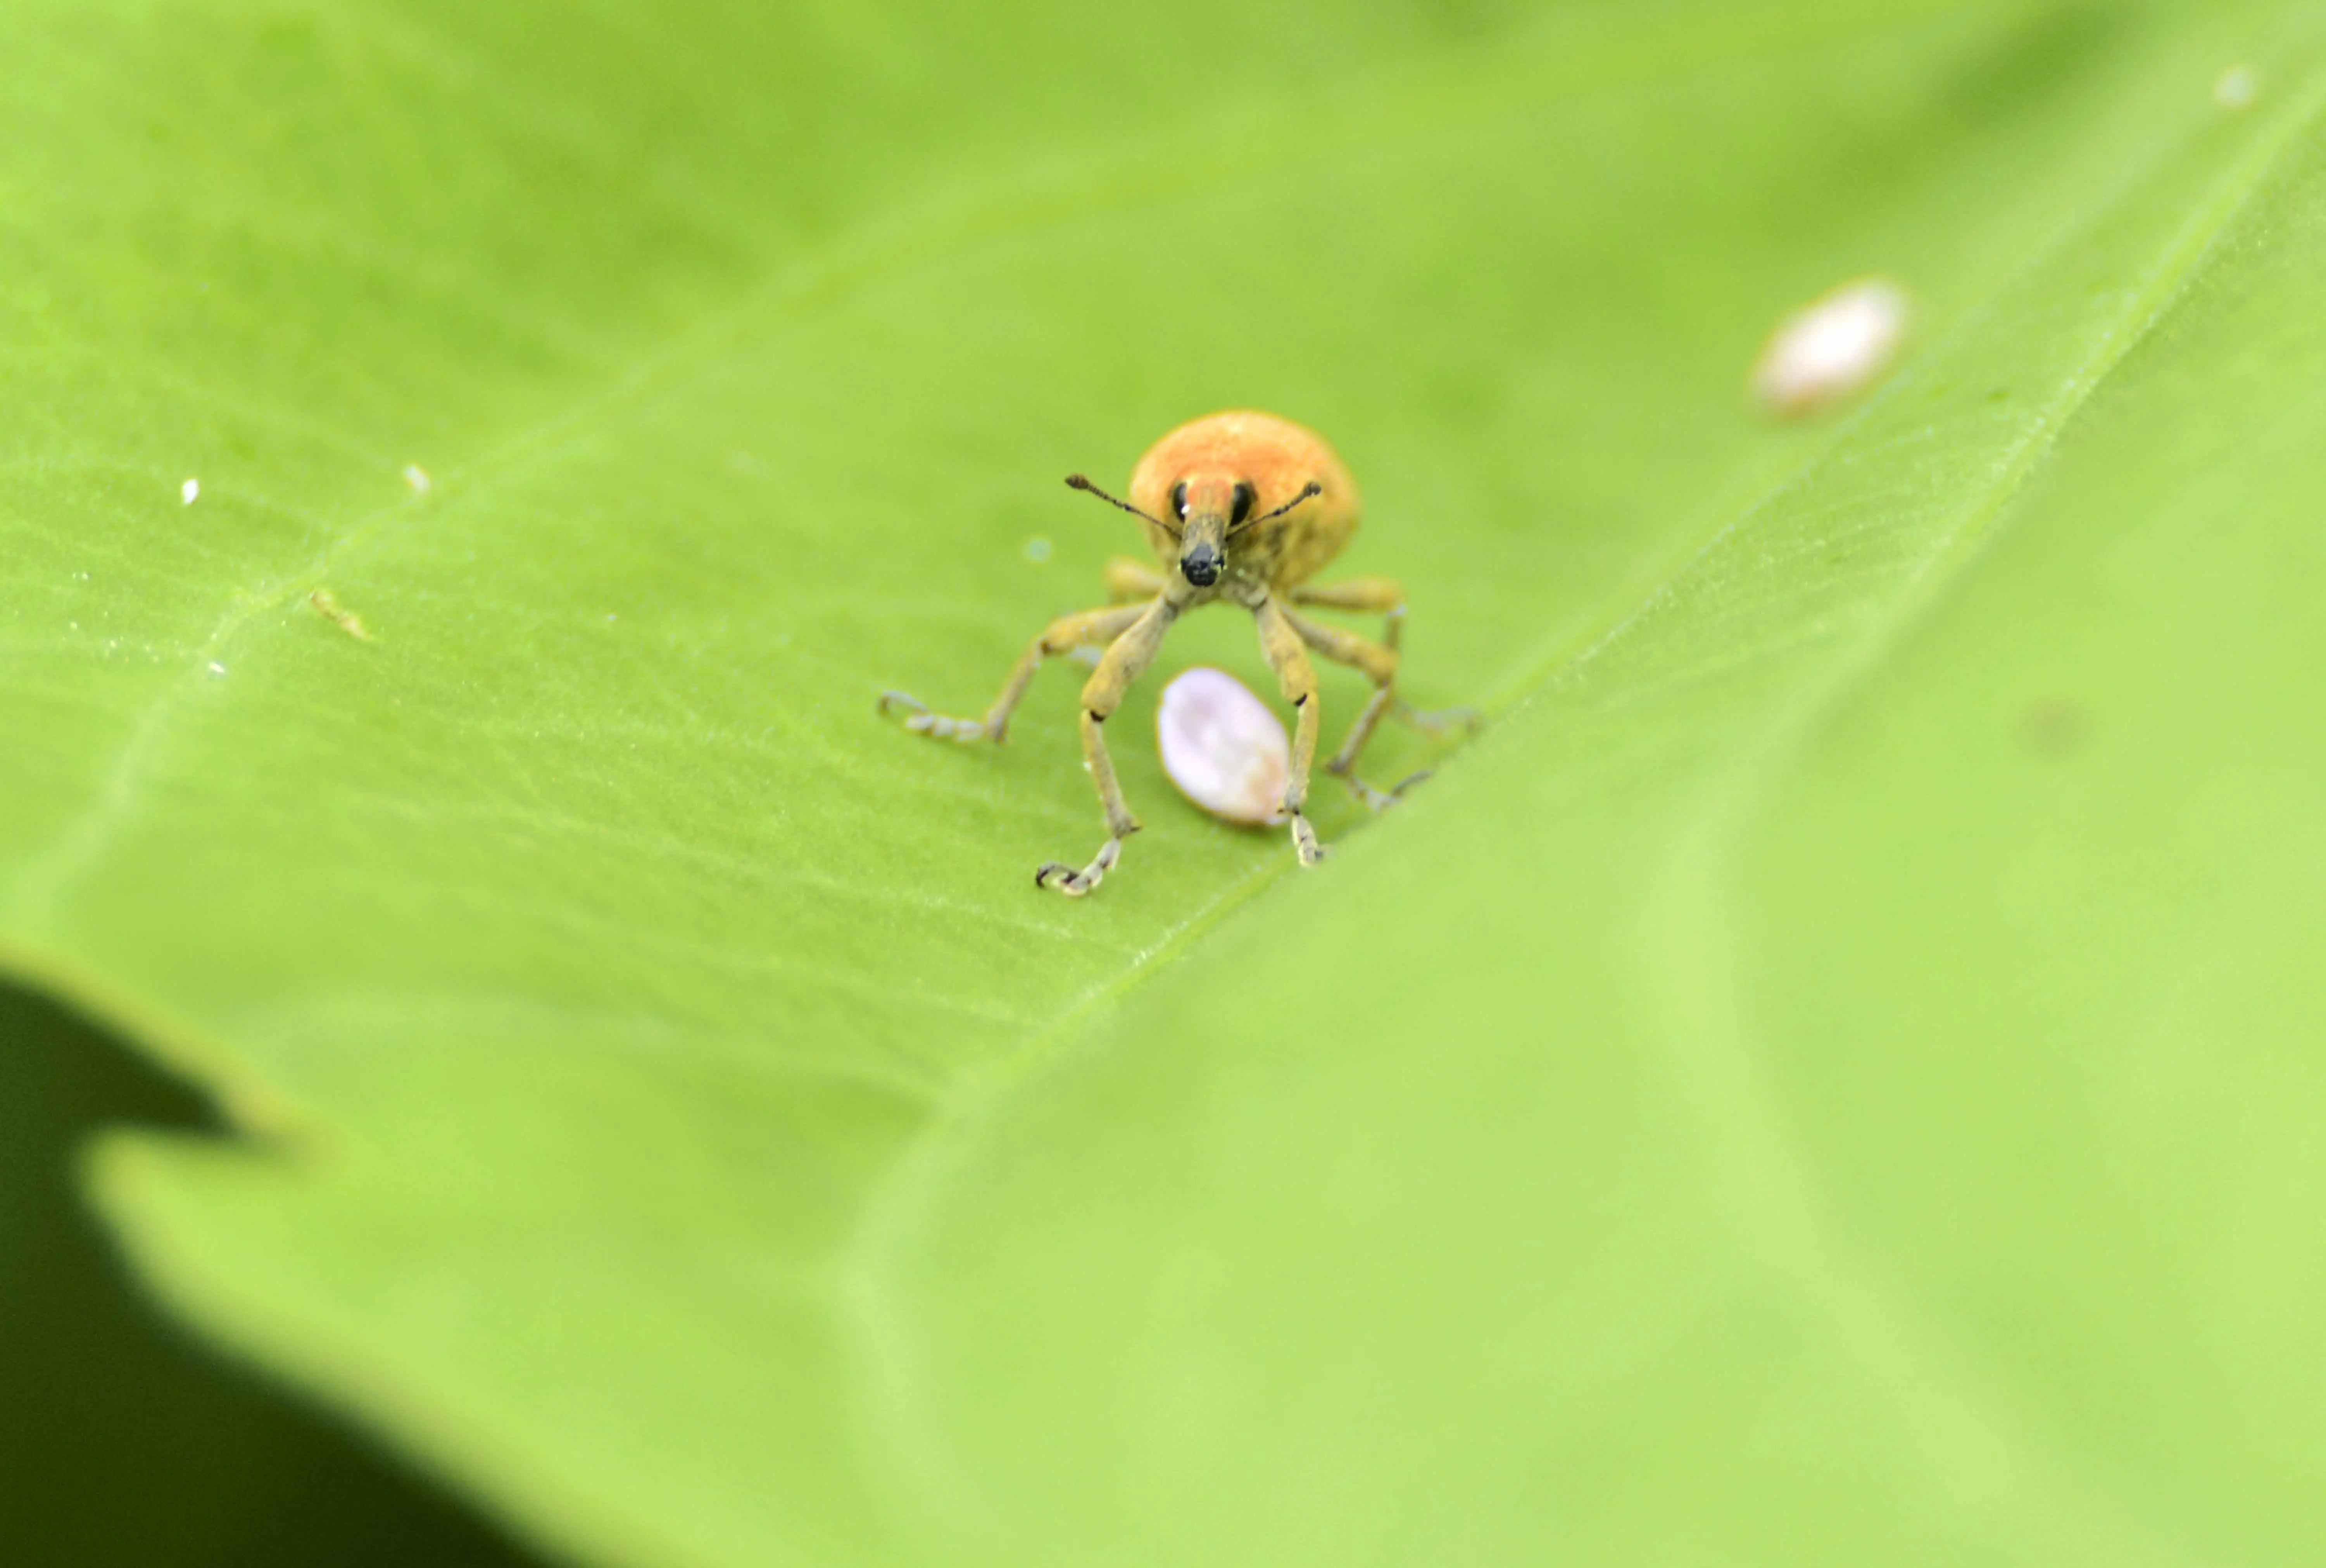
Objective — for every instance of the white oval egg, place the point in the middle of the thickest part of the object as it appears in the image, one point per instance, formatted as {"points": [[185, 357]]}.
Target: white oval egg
{"points": [[1831, 348], [1223, 747]]}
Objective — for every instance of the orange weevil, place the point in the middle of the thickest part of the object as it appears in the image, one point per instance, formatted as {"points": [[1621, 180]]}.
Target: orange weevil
{"points": [[1240, 506]]}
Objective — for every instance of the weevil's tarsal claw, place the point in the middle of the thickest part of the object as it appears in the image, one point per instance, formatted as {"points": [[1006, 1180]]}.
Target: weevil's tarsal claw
{"points": [[921, 721], [1304, 841], [1441, 720], [1074, 884], [1382, 800]]}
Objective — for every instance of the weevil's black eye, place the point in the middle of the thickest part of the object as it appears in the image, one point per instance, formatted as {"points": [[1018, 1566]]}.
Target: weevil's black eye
{"points": [[1179, 499], [1243, 500]]}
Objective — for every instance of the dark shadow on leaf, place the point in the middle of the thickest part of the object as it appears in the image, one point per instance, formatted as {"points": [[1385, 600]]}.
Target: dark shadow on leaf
{"points": [[122, 1441]]}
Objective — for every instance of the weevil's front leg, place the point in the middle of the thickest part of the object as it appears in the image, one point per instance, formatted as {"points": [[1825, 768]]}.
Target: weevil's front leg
{"points": [[1378, 661], [1130, 580], [1281, 641], [1126, 659], [1066, 633]]}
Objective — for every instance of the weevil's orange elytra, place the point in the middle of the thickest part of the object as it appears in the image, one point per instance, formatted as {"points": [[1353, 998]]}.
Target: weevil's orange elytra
{"points": [[1243, 507]]}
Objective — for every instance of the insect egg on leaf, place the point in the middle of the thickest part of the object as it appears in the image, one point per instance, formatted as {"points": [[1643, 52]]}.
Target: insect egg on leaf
{"points": [[1832, 350], [1224, 749]]}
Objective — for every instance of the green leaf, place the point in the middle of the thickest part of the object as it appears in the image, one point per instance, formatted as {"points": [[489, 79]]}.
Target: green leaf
{"points": [[1824, 1078]]}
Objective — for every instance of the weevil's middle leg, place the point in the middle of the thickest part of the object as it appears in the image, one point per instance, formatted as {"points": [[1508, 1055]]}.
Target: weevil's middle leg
{"points": [[1061, 636], [1132, 581], [1360, 593], [1126, 659], [1280, 640]]}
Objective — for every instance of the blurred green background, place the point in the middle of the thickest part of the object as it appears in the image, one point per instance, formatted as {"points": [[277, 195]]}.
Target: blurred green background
{"points": [[1830, 1075]]}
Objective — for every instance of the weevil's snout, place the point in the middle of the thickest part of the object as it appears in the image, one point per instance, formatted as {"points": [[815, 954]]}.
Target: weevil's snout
{"points": [[1203, 501]]}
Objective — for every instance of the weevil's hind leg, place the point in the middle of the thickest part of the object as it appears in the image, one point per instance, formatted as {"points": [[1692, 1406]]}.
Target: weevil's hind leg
{"points": [[1130, 580], [1379, 662], [1061, 636], [1379, 800], [1435, 722], [1126, 659], [1280, 640]]}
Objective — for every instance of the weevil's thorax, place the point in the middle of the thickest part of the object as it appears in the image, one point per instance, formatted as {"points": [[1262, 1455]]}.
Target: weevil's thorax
{"points": [[1214, 478]]}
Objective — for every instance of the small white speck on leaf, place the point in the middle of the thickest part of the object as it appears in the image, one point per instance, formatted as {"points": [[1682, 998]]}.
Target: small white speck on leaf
{"points": [[1038, 549], [2237, 88], [1223, 747], [417, 477], [216, 668], [1831, 348], [189, 490]]}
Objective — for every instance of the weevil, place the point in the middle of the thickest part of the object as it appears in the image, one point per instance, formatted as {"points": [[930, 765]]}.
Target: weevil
{"points": [[1241, 508]]}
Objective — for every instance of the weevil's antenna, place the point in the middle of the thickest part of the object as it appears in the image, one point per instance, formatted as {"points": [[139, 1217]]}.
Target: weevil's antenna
{"points": [[1076, 482], [1311, 488]]}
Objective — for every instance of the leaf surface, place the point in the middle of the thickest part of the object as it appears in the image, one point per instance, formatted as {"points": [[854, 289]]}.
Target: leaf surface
{"points": [[1755, 1103]]}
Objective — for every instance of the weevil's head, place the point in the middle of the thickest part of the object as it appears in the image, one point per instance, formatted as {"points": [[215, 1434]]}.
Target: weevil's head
{"points": [[1207, 505], [1212, 493]]}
